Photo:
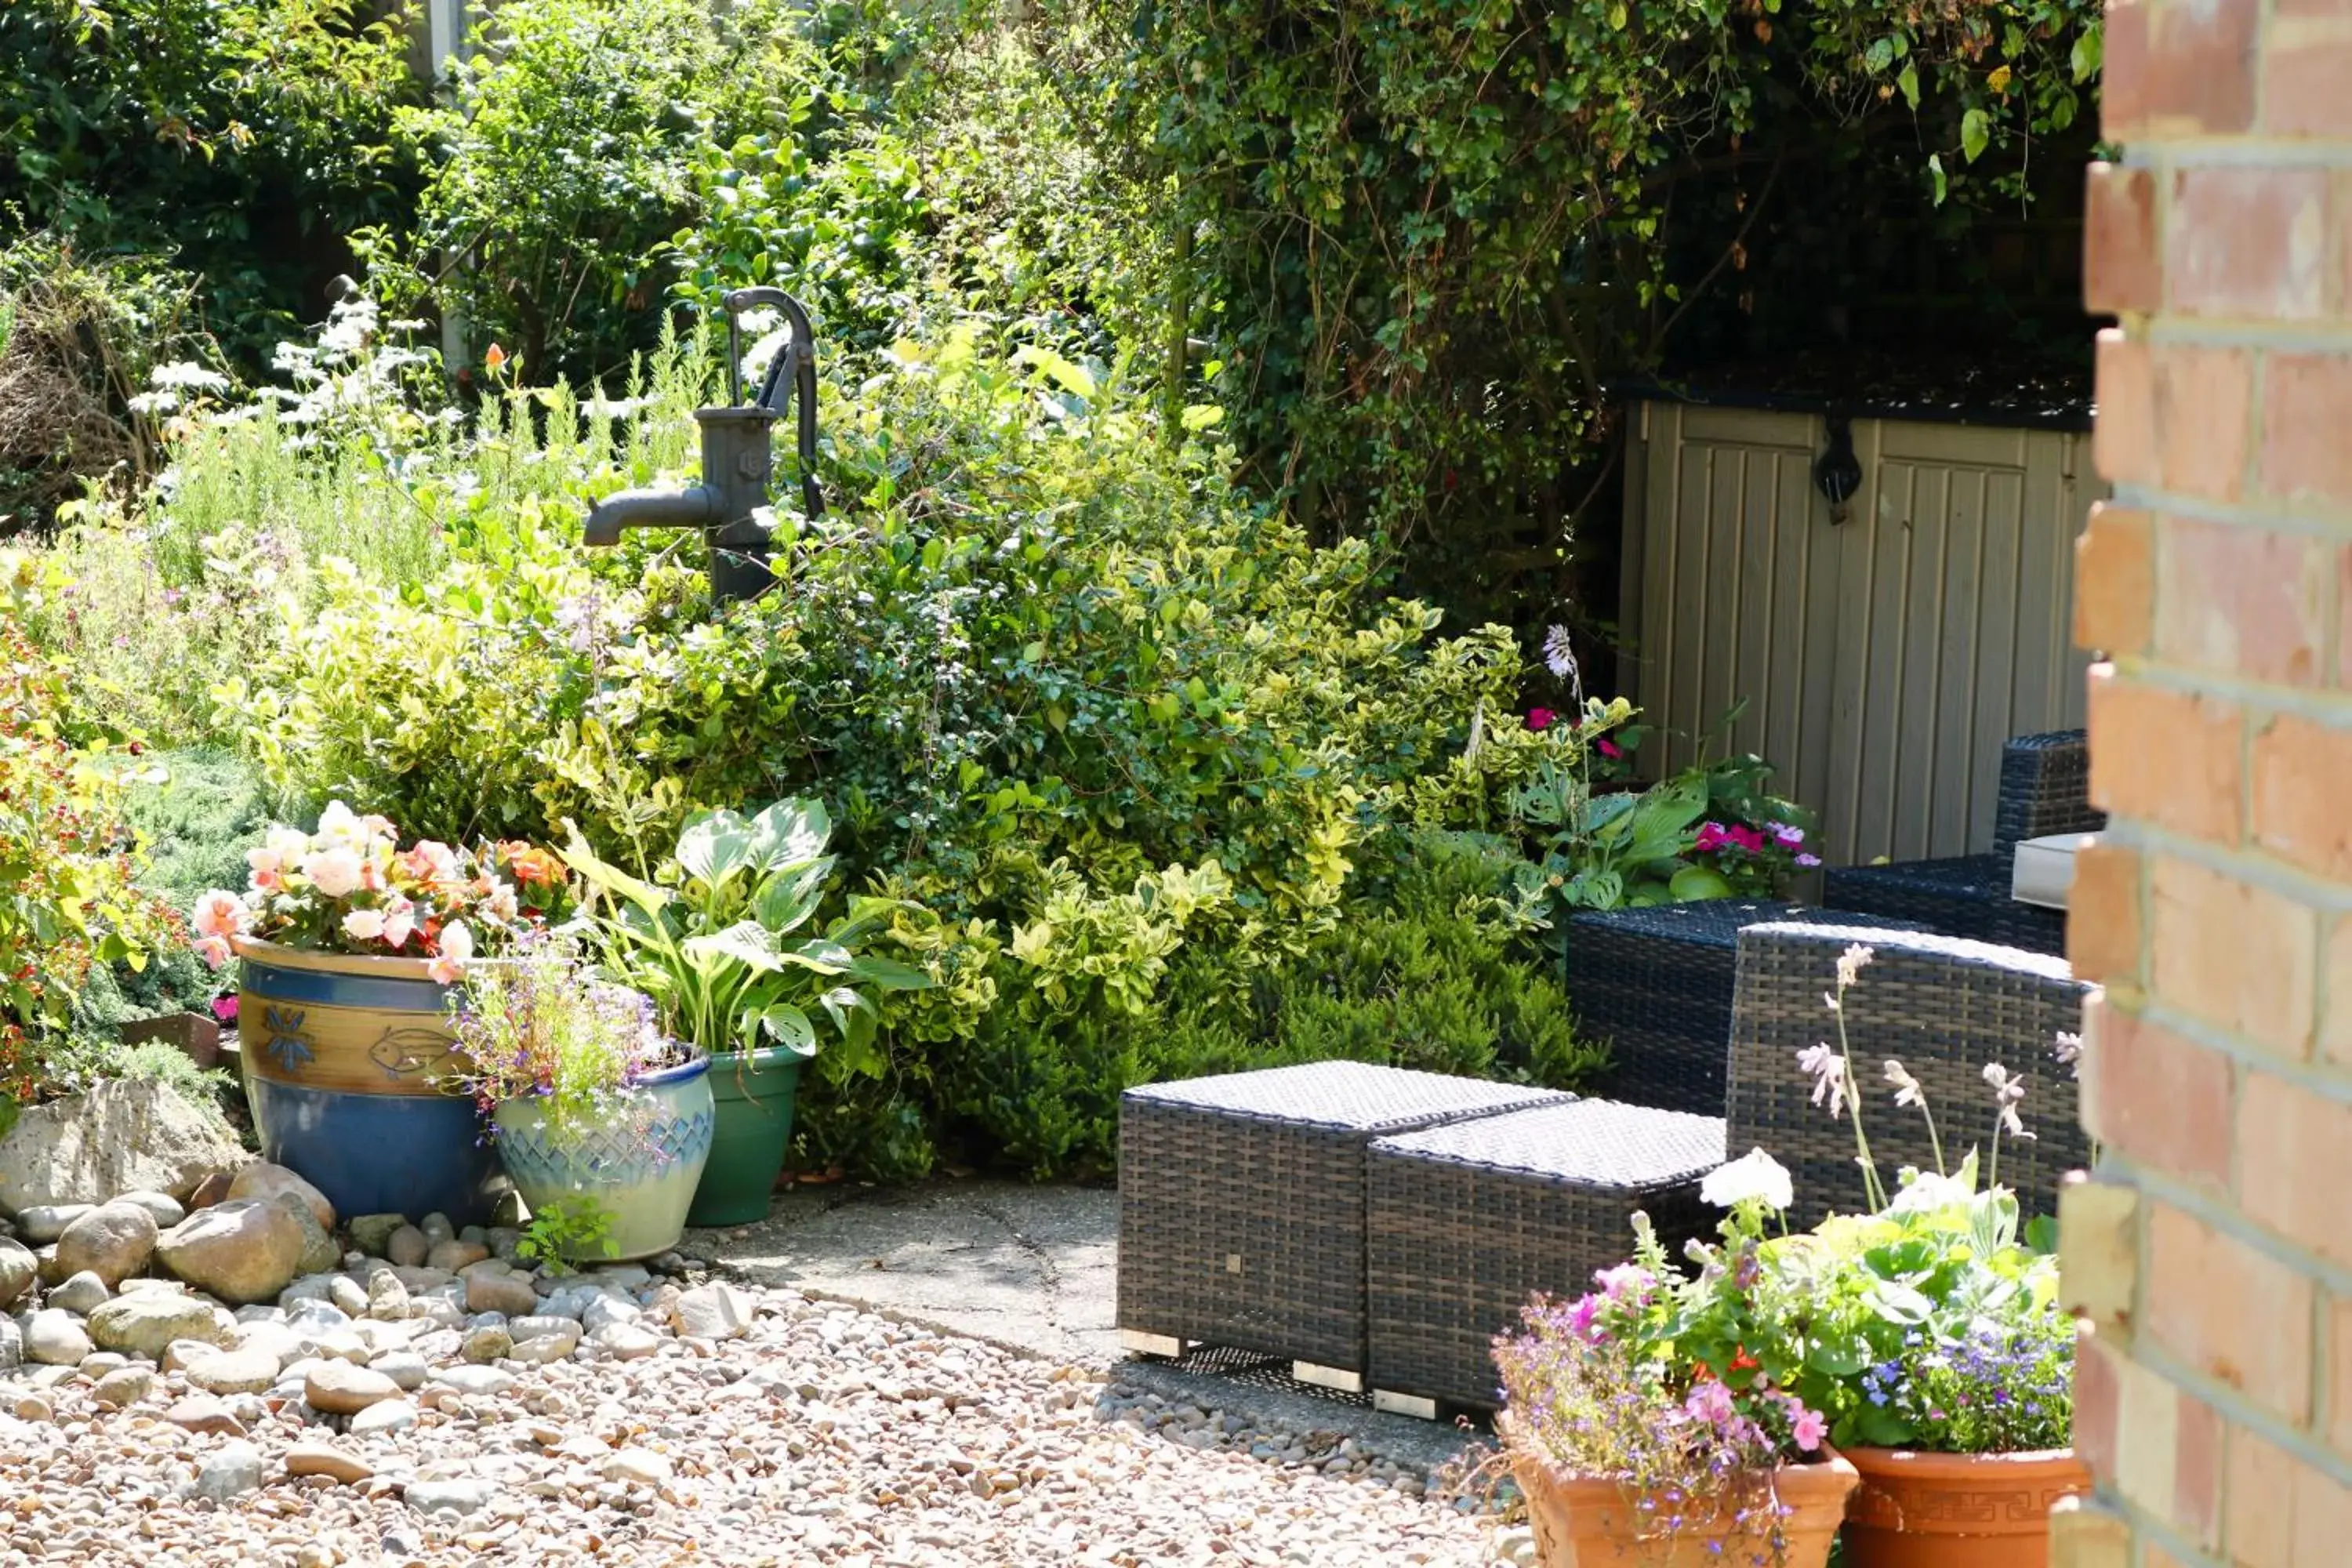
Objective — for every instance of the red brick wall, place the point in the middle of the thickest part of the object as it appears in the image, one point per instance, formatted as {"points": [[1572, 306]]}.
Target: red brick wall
{"points": [[2210, 1255]]}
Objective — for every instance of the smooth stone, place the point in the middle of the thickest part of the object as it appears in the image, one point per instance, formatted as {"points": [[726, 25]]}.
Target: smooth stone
{"points": [[44, 1222], [389, 1416], [620, 1276], [124, 1135], [469, 1496], [54, 1337], [340, 1388], [542, 1327], [488, 1343], [339, 1345], [201, 1413], [407, 1246], [509, 1293], [212, 1188], [112, 1241], [455, 1255], [31, 1407], [167, 1210], [82, 1293], [543, 1350], [324, 1459], [280, 1342], [268, 1182], [226, 1372], [124, 1385], [19, 1267], [145, 1322], [626, 1342], [605, 1311], [713, 1311], [239, 1250], [404, 1367], [319, 1254], [347, 1295], [474, 1380], [421, 1280], [231, 1471], [180, 1353], [372, 1232], [316, 1317], [436, 1228], [504, 1241], [638, 1465], [12, 1345], [387, 1298]]}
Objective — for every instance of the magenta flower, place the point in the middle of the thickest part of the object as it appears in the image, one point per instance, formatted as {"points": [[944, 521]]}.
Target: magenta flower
{"points": [[1623, 1280], [1540, 718], [1809, 1428], [1807, 862], [225, 1009], [1609, 748]]}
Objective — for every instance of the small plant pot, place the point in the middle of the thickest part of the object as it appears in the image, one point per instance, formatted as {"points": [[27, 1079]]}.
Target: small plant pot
{"points": [[1584, 1521], [754, 1090], [1956, 1510], [192, 1035], [640, 1167]]}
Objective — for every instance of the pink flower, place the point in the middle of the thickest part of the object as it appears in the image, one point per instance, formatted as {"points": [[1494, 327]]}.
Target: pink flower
{"points": [[1788, 834], [457, 946], [1809, 1428], [213, 949], [1711, 836], [261, 858], [1540, 718], [399, 925], [334, 872], [220, 913], [225, 1009], [1710, 1401], [1609, 748], [363, 925], [1626, 1280], [1808, 862], [1588, 1307]]}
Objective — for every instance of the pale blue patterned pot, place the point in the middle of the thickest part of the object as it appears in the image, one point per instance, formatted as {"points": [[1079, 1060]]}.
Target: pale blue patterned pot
{"points": [[642, 1166]]}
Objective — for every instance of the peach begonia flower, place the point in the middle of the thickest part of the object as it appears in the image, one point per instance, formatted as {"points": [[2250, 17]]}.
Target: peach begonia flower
{"points": [[335, 872], [213, 949], [338, 825], [457, 946], [363, 925], [219, 913], [398, 927]]}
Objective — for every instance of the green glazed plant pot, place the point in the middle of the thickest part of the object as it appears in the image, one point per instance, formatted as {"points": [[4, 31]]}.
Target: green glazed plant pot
{"points": [[641, 1166], [755, 1092]]}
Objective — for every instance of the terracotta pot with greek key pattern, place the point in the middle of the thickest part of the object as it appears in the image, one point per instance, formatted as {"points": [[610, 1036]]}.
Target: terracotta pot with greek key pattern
{"points": [[1956, 1510]]}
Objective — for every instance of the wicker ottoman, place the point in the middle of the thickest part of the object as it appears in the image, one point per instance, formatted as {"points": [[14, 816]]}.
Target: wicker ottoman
{"points": [[1656, 983], [1466, 1222], [1241, 1204]]}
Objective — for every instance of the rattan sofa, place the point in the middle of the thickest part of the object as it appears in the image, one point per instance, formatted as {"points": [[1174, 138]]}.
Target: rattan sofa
{"points": [[2044, 790], [1943, 1006]]}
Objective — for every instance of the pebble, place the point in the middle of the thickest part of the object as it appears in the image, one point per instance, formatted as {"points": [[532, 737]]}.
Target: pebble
{"points": [[325, 1459], [389, 1416], [251, 1370], [489, 1342], [234, 1469], [201, 1413], [80, 1294], [340, 1388], [407, 1246], [124, 1385], [54, 1337]]}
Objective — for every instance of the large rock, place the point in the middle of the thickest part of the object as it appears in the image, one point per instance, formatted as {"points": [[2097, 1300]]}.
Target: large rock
{"points": [[125, 1135], [371, 1232], [242, 1250], [263, 1180], [320, 1253], [42, 1224], [17, 1268], [54, 1337], [112, 1241], [713, 1311], [145, 1323]]}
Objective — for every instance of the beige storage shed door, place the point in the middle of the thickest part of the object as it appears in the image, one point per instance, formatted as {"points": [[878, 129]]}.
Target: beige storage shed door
{"points": [[1885, 659]]}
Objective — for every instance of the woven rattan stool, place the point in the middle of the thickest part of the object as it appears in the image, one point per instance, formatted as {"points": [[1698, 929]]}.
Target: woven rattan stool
{"points": [[1241, 1204], [1464, 1222], [1656, 985]]}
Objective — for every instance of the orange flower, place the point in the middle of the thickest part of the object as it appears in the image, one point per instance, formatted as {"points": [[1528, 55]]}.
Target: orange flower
{"points": [[531, 864]]}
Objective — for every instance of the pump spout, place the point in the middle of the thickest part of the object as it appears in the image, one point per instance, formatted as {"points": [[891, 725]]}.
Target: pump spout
{"points": [[698, 507]]}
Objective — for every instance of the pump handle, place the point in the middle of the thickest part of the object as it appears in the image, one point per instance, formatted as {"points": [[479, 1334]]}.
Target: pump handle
{"points": [[798, 357]]}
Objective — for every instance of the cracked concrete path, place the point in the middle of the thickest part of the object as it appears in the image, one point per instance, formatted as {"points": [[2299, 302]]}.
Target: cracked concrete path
{"points": [[1034, 1268]]}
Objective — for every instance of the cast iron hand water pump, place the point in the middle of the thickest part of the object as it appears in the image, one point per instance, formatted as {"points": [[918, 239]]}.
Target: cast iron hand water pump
{"points": [[736, 458]]}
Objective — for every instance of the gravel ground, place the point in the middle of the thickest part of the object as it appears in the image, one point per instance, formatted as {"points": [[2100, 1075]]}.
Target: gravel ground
{"points": [[777, 1430]]}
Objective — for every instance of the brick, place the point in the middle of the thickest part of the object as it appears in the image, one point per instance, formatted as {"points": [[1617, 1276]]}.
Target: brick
{"points": [[2114, 581], [2241, 601], [2203, 398], [2294, 1164], [2099, 1400], [2169, 757], [2086, 1533], [2247, 242], [2098, 1252], [2304, 454], [2147, 1438], [2235, 1314], [2241, 957], [2123, 74], [2336, 968], [2302, 772], [2322, 1516], [2197, 1471], [2343, 606], [2198, 73], [2304, 72], [2103, 920], [2258, 1504], [2121, 270], [2123, 435], [2158, 1098], [2336, 1412]]}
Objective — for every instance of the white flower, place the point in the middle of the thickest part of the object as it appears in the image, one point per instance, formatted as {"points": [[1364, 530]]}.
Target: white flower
{"points": [[1850, 964], [1754, 1175], [2008, 1092], [2069, 1052], [1925, 1192], [1906, 1088], [1827, 1069], [1560, 654], [334, 872]]}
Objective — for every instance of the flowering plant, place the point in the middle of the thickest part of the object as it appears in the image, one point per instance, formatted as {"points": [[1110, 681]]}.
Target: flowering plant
{"points": [[544, 1025], [1680, 1388], [348, 888]]}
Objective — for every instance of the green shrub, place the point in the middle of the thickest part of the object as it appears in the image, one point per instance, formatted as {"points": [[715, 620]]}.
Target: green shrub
{"points": [[196, 813]]}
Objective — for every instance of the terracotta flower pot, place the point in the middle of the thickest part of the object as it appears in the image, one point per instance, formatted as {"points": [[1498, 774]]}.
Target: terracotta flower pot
{"points": [[1956, 1510], [1583, 1523]]}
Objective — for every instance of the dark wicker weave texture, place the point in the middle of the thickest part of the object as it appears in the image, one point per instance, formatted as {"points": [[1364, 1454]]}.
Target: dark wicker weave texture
{"points": [[2045, 784], [1942, 1007], [1656, 985], [1241, 1199], [1466, 1222]]}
